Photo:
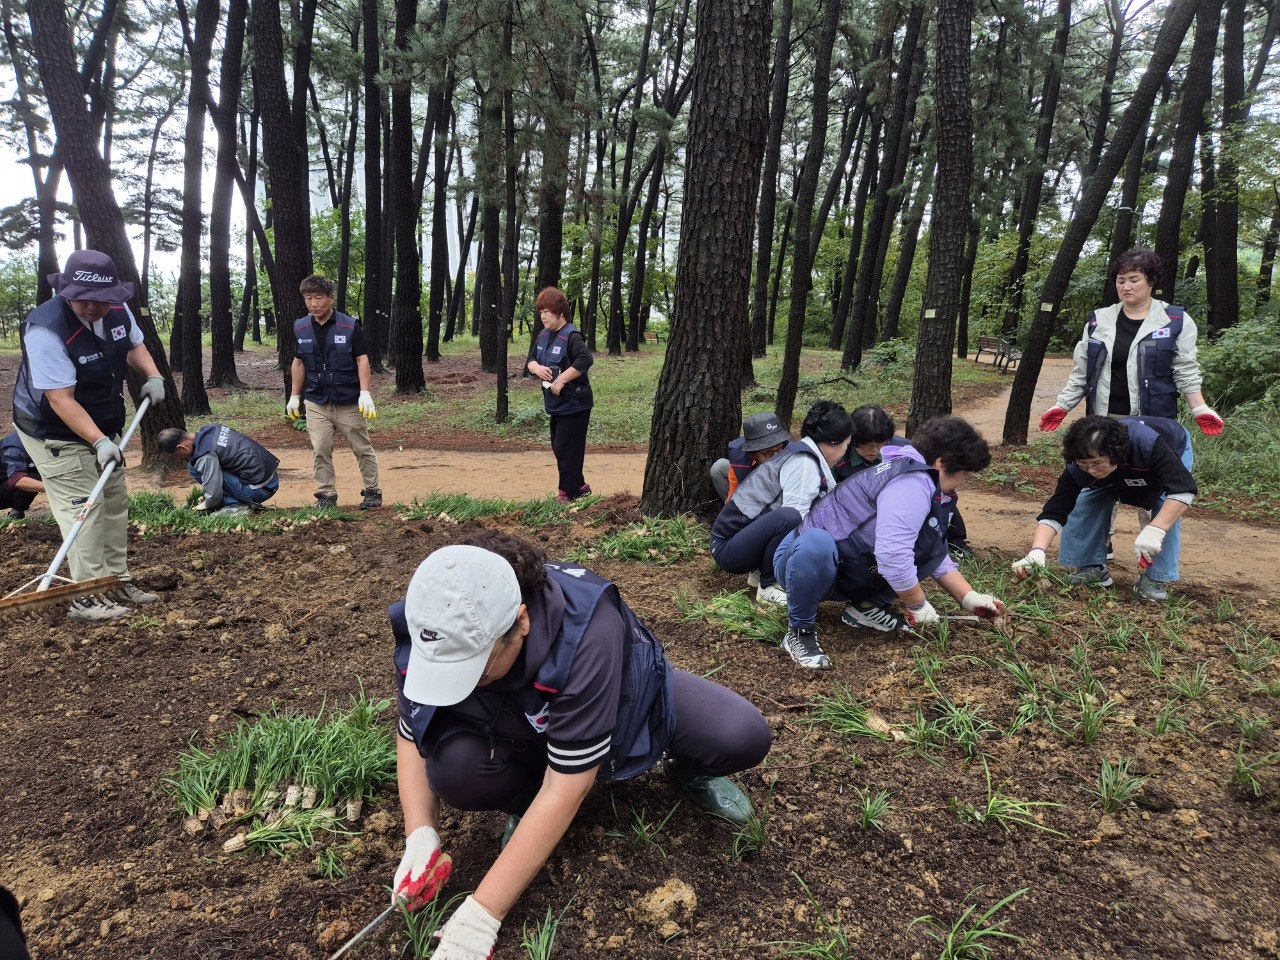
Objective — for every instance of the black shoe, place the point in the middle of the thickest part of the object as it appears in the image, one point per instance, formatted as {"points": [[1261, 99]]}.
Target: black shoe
{"points": [[1111, 554], [718, 796], [804, 649], [867, 614], [372, 498], [16, 514], [326, 501]]}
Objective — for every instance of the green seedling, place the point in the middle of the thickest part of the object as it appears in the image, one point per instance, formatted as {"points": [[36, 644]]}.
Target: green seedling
{"points": [[924, 738], [1170, 718], [329, 863], [964, 726], [927, 665], [421, 925], [538, 942], [1152, 658], [456, 508], [1251, 727], [832, 943], [1092, 717], [751, 836], [1225, 611], [637, 827], [966, 938], [736, 614], [871, 808], [1193, 685], [1246, 772], [658, 540], [1007, 811], [847, 715], [1116, 785]]}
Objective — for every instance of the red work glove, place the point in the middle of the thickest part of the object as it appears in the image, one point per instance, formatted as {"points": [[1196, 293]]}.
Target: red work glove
{"points": [[423, 870], [1207, 419], [1052, 418]]}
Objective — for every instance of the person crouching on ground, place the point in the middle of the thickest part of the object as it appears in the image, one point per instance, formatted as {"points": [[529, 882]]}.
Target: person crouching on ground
{"points": [[1143, 461], [511, 672], [236, 474], [19, 479], [777, 494], [560, 359], [877, 536]]}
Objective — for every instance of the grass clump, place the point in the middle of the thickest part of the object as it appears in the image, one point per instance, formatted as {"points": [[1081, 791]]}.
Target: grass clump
{"points": [[736, 614], [1116, 785], [846, 714], [660, 540], [968, 937]]}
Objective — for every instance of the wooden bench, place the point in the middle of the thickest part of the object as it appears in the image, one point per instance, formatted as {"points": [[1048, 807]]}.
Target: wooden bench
{"points": [[652, 336], [1004, 352]]}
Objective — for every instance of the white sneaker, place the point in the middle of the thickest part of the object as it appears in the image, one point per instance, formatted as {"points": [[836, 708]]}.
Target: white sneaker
{"points": [[95, 610], [805, 650], [771, 594], [753, 579], [128, 593]]}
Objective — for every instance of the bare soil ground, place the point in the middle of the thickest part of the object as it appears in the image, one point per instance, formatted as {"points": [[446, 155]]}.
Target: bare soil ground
{"points": [[92, 718]]}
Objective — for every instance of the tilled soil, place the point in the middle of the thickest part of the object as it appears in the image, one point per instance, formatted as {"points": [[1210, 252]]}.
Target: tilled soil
{"points": [[92, 718]]}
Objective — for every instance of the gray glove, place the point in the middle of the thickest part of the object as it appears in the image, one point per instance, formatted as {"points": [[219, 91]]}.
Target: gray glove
{"points": [[153, 390], [107, 451]]}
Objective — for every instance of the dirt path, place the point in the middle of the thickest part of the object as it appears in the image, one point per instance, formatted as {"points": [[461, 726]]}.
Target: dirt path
{"points": [[1216, 552]]}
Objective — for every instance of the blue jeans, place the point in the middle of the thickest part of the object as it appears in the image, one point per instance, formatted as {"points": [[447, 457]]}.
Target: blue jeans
{"points": [[806, 567], [753, 547], [1084, 536], [235, 492]]}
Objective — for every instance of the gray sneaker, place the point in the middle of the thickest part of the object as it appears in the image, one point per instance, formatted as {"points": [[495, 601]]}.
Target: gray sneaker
{"points": [[1092, 575], [95, 610], [326, 501], [805, 650], [235, 510], [866, 614], [128, 593], [1148, 589]]}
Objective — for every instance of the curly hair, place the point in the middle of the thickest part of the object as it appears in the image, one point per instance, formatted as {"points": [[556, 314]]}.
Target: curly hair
{"points": [[953, 440], [1140, 259], [1096, 436], [528, 562], [872, 425], [553, 299], [827, 422]]}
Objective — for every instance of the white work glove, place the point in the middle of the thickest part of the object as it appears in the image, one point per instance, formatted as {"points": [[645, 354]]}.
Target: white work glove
{"points": [[367, 409], [422, 872], [922, 616], [107, 451], [1207, 419], [153, 390], [1031, 565], [983, 604], [469, 934], [202, 506], [293, 409], [1148, 543]]}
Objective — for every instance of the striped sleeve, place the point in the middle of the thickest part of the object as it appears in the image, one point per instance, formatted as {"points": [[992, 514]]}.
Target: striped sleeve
{"points": [[577, 757]]}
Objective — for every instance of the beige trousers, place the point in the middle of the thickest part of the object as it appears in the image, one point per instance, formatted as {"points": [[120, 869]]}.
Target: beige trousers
{"points": [[323, 420], [69, 470]]}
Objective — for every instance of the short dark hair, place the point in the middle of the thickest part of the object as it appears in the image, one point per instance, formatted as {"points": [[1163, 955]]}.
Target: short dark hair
{"points": [[527, 560], [872, 425], [167, 440], [827, 422], [553, 299], [953, 440], [1145, 261], [317, 284], [1096, 436]]}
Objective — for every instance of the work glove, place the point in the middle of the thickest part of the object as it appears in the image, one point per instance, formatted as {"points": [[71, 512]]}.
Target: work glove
{"points": [[202, 506], [1052, 418], [153, 390], [469, 934], [367, 409], [983, 604], [1207, 419], [1148, 543], [422, 872], [1031, 565], [923, 615], [107, 451], [293, 409]]}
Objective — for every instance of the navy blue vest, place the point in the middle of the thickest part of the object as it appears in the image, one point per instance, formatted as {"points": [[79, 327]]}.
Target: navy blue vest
{"points": [[332, 376], [1157, 393], [552, 350], [760, 491], [1130, 482], [243, 458], [100, 371], [646, 706]]}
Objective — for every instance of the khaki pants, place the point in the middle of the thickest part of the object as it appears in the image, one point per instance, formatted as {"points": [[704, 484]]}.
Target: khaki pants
{"points": [[69, 470], [323, 419]]}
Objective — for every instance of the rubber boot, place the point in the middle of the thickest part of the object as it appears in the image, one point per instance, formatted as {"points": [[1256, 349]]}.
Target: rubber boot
{"points": [[718, 796]]}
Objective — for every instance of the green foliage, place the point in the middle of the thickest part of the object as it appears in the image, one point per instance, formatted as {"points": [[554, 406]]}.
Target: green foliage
{"points": [[17, 295], [846, 714], [420, 925], [538, 942], [659, 540], [736, 614], [1116, 785], [1241, 365], [966, 937], [871, 808], [636, 825]]}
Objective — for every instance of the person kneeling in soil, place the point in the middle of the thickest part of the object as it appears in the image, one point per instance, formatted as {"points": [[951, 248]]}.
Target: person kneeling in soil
{"points": [[19, 479], [512, 673], [1143, 461], [877, 536], [237, 474]]}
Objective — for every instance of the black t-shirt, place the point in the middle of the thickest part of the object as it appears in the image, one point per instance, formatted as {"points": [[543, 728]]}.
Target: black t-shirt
{"points": [[1121, 404]]}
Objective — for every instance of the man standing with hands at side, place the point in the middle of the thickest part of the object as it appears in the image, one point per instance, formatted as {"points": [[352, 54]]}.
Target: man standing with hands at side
{"points": [[68, 406], [331, 370]]}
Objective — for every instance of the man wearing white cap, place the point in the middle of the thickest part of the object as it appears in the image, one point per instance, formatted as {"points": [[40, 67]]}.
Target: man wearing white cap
{"points": [[511, 673], [68, 406]]}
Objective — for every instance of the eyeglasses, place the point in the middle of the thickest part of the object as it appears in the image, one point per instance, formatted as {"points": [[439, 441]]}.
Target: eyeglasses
{"points": [[1095, 465]]}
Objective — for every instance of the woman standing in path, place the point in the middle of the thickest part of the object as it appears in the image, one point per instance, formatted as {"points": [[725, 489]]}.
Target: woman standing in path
{"points": [[560, 359]]}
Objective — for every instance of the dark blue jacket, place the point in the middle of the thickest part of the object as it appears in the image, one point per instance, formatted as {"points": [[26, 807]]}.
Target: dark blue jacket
{"points": [[101, 365], [243, 458], [332, 375], [559, 350], [646, 707]]}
